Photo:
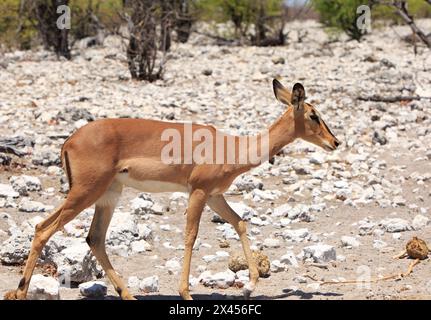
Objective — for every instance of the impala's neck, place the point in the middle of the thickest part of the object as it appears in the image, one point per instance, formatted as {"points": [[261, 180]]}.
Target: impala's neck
{"points": [[280, 133]]}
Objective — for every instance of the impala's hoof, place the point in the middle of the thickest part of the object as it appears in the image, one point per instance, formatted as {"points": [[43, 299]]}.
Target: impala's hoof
{"points": [[125, 295], [128, 297], [10, 295], [187, 297], [185, 294]]}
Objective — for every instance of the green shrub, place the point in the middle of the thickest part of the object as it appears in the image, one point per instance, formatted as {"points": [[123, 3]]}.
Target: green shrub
{"points": [[14, 33], [254, 20], [83, 14], [19, 31], [341, 15]]}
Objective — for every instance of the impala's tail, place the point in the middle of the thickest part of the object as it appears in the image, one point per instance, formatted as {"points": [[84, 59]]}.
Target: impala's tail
{"points": [[67, 168], [65, 163]]}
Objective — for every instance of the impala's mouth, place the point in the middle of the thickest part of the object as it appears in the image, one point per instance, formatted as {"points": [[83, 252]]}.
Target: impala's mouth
{"points": [[331, 147], [328, 148]]}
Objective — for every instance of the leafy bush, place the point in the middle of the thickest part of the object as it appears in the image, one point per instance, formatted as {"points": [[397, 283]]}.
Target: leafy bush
{"points": [[13, 31], [341, 15], [261, 22], [19, 30]]}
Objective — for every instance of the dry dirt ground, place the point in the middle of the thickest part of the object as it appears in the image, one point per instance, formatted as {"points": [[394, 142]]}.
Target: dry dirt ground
{"points": [[336, 220]]}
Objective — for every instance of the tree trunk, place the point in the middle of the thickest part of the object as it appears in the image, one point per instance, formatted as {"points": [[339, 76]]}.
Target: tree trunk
{"points": [[183, 21], [45, 12]]}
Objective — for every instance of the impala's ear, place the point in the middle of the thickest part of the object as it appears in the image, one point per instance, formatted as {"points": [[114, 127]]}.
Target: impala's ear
{"points": [[298, 97], [280, 92]]}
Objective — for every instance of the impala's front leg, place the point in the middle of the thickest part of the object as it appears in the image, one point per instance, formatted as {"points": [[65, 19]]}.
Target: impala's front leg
{"points": [[219, 205], [194, 211]]}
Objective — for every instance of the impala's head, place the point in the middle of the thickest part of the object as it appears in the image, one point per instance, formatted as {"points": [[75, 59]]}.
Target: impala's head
{"points": [[309, 125]]}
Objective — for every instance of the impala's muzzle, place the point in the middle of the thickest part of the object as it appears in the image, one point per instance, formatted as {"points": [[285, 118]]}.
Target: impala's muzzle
{"points": [[333, 145]]}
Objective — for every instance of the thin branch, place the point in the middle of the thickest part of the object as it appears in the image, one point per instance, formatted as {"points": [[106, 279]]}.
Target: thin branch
{"points": [[20, 16], [378, 98], [401, 7]]}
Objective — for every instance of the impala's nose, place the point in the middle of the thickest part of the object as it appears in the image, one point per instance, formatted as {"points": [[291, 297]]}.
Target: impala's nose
{"points": [[337, 143]]}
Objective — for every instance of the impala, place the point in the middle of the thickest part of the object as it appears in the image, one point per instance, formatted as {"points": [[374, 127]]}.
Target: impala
{"points": [[105, 155]]}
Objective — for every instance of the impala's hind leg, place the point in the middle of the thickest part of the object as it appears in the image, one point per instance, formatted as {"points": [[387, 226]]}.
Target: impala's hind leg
{"points": [[77, 200], [220, 206], [97, 236]]}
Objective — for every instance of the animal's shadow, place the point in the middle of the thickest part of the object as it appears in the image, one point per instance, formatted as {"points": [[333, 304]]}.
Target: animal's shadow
{"points": [[216, 296]]}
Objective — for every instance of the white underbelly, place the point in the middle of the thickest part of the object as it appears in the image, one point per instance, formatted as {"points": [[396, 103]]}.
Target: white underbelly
{"points": [[152, 186]]}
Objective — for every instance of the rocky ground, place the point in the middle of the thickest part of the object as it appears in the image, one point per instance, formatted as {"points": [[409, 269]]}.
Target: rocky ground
{"points": [[317, 216]]}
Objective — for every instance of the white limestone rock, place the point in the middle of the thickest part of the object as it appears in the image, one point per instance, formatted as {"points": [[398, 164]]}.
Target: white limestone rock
{"points": [[244, 211], [420, 221], [133, 282], [6, 191], [222, 255], [297, 235], [173, 266], [350, 242], [209, 258], [142, 205], [282, 211], [149, 284], [248, 183], [24, 184], [123, 229], [289, 259], [93, 289], [27, 205], [140, 246], [366, 227], [77, 264], [221, 280], [271, 243], [277, 266], [242, 278], [228, 231], [43, 288], [320, 253], [395, 225]]}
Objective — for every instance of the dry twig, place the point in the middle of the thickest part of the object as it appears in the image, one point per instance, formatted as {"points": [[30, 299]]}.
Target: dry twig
{"points": [[378, 98], [415, 248]]}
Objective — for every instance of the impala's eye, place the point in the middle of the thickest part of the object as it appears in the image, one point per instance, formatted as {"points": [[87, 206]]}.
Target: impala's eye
{"points": [[314, 117]]}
